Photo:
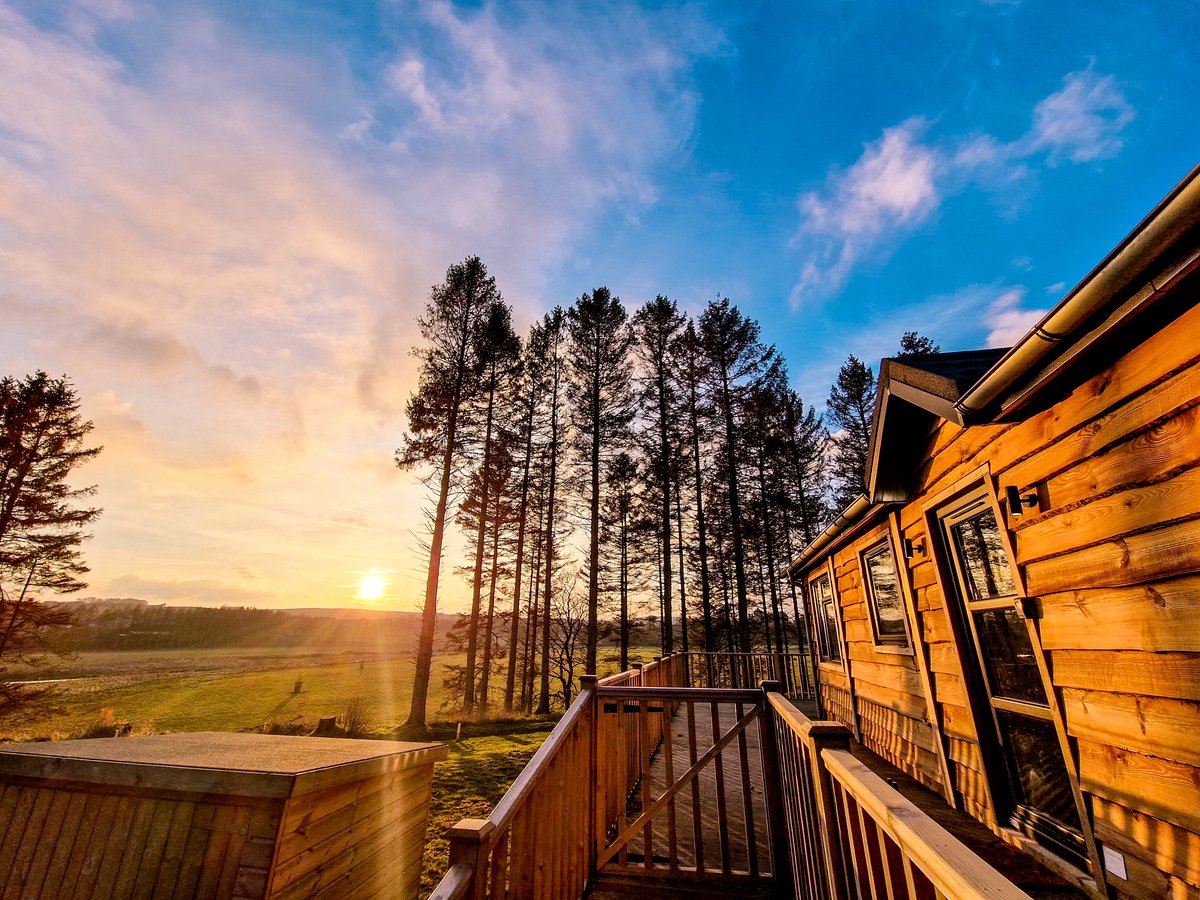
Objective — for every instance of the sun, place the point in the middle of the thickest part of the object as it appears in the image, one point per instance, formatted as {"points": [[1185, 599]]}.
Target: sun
{"points": [[371, 587]]}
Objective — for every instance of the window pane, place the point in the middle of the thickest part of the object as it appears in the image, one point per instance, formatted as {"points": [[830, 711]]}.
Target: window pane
{"points": [[1037, 761], [885, 594], [981, 554], [832, 648], [1008, 656]]}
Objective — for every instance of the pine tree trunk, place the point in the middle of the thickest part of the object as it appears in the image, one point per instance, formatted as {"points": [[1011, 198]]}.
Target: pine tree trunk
{"points": [[522, 517], [544, 694], [477, 587], [420, 695], [710, 638], [735, 518], [594, 543], [683, 619], [664, 451], [485, 676]]}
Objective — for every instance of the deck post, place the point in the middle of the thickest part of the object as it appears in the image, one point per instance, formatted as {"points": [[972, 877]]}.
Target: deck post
{"points": [[834, 736], [781, 675], [781, 869], [588, 684], [468, 847]]}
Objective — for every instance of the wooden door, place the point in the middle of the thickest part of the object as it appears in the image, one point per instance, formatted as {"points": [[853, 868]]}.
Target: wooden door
{"points": [[1029, 776]]}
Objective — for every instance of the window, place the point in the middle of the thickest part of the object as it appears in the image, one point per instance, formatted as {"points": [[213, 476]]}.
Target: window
{"points": [[825, 611], [883, 591], [1021, 730]]}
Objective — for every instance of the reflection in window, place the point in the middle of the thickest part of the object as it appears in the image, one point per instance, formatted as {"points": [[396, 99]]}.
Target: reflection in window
{"points": [[884, 589], [826, 612], [981, 553], [1011, 668]]}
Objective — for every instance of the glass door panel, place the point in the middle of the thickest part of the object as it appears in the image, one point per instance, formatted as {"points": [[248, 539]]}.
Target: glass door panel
{"points": [[1023, 733]]}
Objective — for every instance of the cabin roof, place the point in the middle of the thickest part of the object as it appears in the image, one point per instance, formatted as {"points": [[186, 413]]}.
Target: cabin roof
{"points": [[252, 765]]}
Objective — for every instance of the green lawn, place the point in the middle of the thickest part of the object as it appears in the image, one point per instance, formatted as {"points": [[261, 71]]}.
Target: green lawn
{"points": [[467, 784], [165, 696]]}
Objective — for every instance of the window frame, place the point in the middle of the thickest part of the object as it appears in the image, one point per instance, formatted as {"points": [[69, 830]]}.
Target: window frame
{"points": [[968, 496], [903, 643], [825, 610]]}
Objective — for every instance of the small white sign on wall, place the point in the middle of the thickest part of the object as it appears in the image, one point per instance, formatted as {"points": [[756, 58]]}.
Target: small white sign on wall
{"points": [[1114, 863]]}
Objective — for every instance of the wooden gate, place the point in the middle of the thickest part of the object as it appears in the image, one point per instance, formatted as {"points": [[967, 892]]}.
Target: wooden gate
{"points": [[682, 782]]}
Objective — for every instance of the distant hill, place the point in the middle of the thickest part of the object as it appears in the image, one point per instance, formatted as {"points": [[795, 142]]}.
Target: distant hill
{"points": [[108, 624], [356, 612]]}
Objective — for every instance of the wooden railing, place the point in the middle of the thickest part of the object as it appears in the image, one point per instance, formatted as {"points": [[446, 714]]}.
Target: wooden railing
{"points": [[616, 789], [852, 835], [536, 843], [793, 671]]}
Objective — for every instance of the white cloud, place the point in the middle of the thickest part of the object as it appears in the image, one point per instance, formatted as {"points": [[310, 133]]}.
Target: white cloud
{"points": [[1007, 321], [230, 272], [861, 213], [889, 189], [1082, 121]]}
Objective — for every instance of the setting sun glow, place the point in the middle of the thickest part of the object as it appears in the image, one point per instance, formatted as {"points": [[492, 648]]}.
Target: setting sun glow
{"points": [[371, 587]]}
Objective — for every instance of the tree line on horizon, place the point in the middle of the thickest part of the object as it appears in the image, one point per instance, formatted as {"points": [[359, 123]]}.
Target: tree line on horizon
{"points": [[607, 462]]}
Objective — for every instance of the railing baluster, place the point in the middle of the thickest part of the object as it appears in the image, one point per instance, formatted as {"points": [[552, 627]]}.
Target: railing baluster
{"points": [[697, 832], [669, 766], [871, 857], [747, 799], [648, 831], [893, 871], [719, 770]]}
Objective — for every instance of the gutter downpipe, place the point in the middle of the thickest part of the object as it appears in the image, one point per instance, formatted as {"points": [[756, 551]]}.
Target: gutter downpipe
{"points": [[1176, 214]]}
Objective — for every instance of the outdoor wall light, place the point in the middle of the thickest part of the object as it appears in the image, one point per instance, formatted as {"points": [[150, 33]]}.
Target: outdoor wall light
{"points": [[914, 548], [1017, 503]]}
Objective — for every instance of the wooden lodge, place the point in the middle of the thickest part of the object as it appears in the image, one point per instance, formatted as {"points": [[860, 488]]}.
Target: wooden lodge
{"points": [[1011, 614], [1003, 697]]}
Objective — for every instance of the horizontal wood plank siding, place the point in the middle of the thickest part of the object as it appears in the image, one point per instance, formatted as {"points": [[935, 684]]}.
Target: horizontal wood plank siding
{"points": [[73, 839], [1113, 556]]}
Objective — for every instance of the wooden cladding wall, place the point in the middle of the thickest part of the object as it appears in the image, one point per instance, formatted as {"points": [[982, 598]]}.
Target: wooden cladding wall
{"points": [[354, 839], [74, 839], [889, 711], [1113, 557], [63, 842]]}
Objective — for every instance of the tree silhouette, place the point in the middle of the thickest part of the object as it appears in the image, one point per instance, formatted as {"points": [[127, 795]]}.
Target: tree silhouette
{"points": [[439, 414], [601, 399], [42, 517], [851, 406]]}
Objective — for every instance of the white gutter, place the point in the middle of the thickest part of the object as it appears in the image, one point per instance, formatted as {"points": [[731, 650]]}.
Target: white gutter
{"points": [[1178, 213]]}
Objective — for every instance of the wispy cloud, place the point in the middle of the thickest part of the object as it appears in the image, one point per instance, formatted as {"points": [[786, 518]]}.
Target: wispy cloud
{"points": [[1008, 320], [1082, 121], [229, 271], [860, 214], [890, 188]]}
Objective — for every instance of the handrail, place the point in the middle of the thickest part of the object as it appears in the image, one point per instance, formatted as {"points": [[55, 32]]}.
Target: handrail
{"points": [[455, 883], [838, 831], [852, 835], [951, 867], [520, 789], [679, 694]]}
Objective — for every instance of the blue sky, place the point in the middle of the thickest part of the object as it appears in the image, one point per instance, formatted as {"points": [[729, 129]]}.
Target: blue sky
{"points": [[220, 219]]}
